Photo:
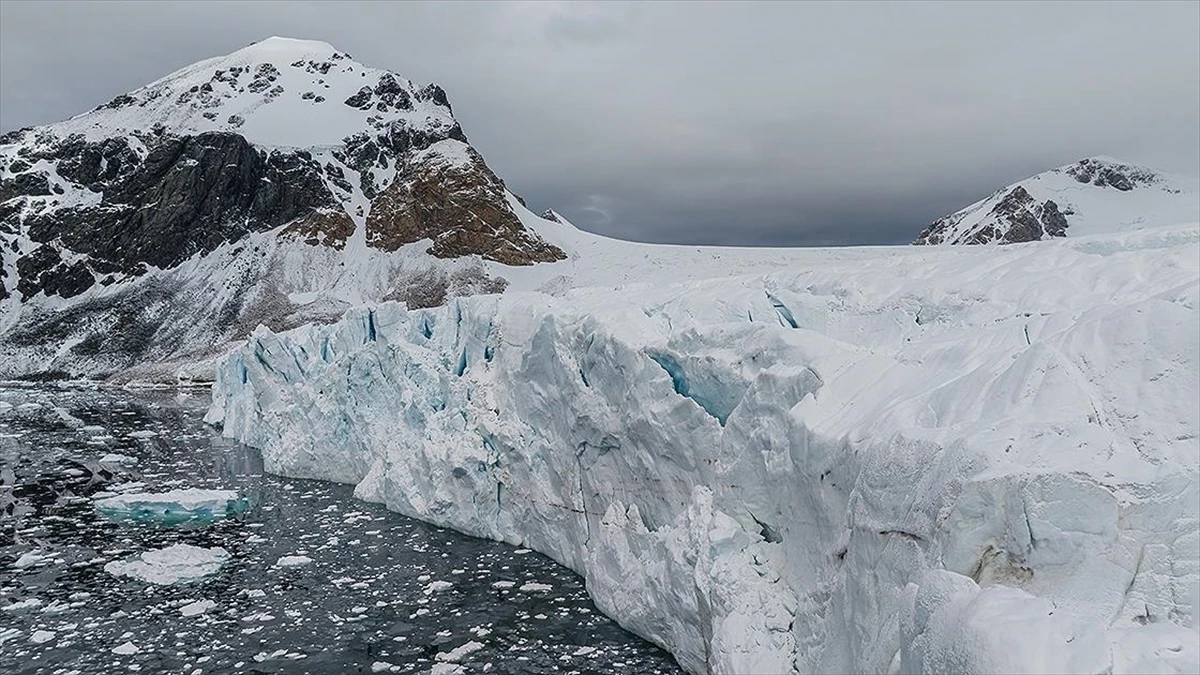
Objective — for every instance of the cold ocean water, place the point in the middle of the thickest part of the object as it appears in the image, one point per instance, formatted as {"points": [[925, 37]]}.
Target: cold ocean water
{"points": [[360, 589]]}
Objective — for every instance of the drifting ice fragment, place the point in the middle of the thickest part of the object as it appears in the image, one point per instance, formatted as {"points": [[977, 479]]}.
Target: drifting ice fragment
{"points": [[173, 507], [176, 564]]}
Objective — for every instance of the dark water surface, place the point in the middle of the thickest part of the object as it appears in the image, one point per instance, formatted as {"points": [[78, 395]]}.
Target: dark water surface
{"points": [[369, 601]]}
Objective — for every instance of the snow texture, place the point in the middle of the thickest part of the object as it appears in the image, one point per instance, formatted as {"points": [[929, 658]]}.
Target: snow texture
{"points": [[912, 459]]}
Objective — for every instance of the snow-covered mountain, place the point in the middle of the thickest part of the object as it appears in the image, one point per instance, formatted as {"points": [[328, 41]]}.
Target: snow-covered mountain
{"points": [[279, 184], [1092, 196], [902, 459]]}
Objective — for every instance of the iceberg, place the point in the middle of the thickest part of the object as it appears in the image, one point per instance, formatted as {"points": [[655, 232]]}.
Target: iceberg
{"points": [[897, 460], [178, 564], [174, 507]]}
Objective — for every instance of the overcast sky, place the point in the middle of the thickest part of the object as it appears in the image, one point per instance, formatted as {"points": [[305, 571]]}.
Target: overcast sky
{"points": [[736, 123]]}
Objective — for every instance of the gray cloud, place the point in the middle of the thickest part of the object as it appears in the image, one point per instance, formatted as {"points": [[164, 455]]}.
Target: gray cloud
{"points": [[738, 123]]}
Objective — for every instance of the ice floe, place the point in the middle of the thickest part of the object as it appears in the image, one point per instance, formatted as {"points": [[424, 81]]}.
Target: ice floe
{"points": [[175, 506], [176, 564]]}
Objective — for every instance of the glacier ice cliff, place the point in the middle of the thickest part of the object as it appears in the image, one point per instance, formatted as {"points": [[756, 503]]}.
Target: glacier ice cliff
{"points": [[970, 460]]}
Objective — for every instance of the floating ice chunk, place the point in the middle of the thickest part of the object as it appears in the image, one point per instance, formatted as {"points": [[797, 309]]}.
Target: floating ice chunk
{"points": [[584, 651], [459, 653], [503, 584], [444, 668], [197, 607], [116, 458], [94, 429], [176, 506], [29, 603], [437, 586], [125, 649], [176, 564], [68, 419], [42, 636], [8, 634], [293, 561], [380, 666], [533, 586], [30, 559], [143, 433]]}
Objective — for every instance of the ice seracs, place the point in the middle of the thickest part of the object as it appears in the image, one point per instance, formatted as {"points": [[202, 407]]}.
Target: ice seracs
{"points": [[901, 459], [176, 564]]}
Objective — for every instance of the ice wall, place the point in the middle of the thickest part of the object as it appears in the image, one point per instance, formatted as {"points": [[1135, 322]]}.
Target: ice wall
{"points": [[970, 460]]}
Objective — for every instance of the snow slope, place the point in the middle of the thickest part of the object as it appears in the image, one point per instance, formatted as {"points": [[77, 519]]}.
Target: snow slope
{"points": [[1092, 196], [280, 112], [894, 459]]}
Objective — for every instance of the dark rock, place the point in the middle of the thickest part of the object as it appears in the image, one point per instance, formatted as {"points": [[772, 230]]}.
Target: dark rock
{"points": [[463, 209], [390, 92], [361, 100], [435, 94], [1054, 222], [118, 102], [190, 195], [321, 228], [30, 184]]}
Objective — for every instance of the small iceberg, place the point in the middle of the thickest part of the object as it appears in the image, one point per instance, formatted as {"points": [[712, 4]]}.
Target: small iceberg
{"points": [[176, 506], [176, 564]]}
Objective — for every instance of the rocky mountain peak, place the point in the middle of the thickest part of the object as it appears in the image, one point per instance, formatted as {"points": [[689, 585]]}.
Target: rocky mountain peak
{"points": [[290, 141], [1094, 195]]}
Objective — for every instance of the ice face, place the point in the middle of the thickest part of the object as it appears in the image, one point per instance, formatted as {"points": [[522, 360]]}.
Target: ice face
{"points": [[177, 564], [174, 507], [890, 463]]}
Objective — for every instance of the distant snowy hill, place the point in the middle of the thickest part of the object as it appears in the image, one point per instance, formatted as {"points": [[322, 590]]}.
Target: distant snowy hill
{"points": [[1093, 196]]}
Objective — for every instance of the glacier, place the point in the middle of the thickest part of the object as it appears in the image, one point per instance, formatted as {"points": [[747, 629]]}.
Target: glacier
{"points": [[905, 460]]}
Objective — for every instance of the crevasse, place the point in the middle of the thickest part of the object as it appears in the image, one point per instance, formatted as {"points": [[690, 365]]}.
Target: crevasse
{"points": [[1008, 484]]}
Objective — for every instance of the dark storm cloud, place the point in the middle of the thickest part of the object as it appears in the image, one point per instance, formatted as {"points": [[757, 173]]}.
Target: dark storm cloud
{"points": [[707, 122]]}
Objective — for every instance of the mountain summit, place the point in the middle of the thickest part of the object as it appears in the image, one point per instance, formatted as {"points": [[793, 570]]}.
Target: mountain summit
{"points": [[1092, 196], [236, 172]]}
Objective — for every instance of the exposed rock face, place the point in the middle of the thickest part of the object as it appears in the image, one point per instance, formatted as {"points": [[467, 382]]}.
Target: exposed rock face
{"points": [[322, 228], [1100, 193], [188, 195], [1018, 217], [448, 194], [1103, 174]]}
